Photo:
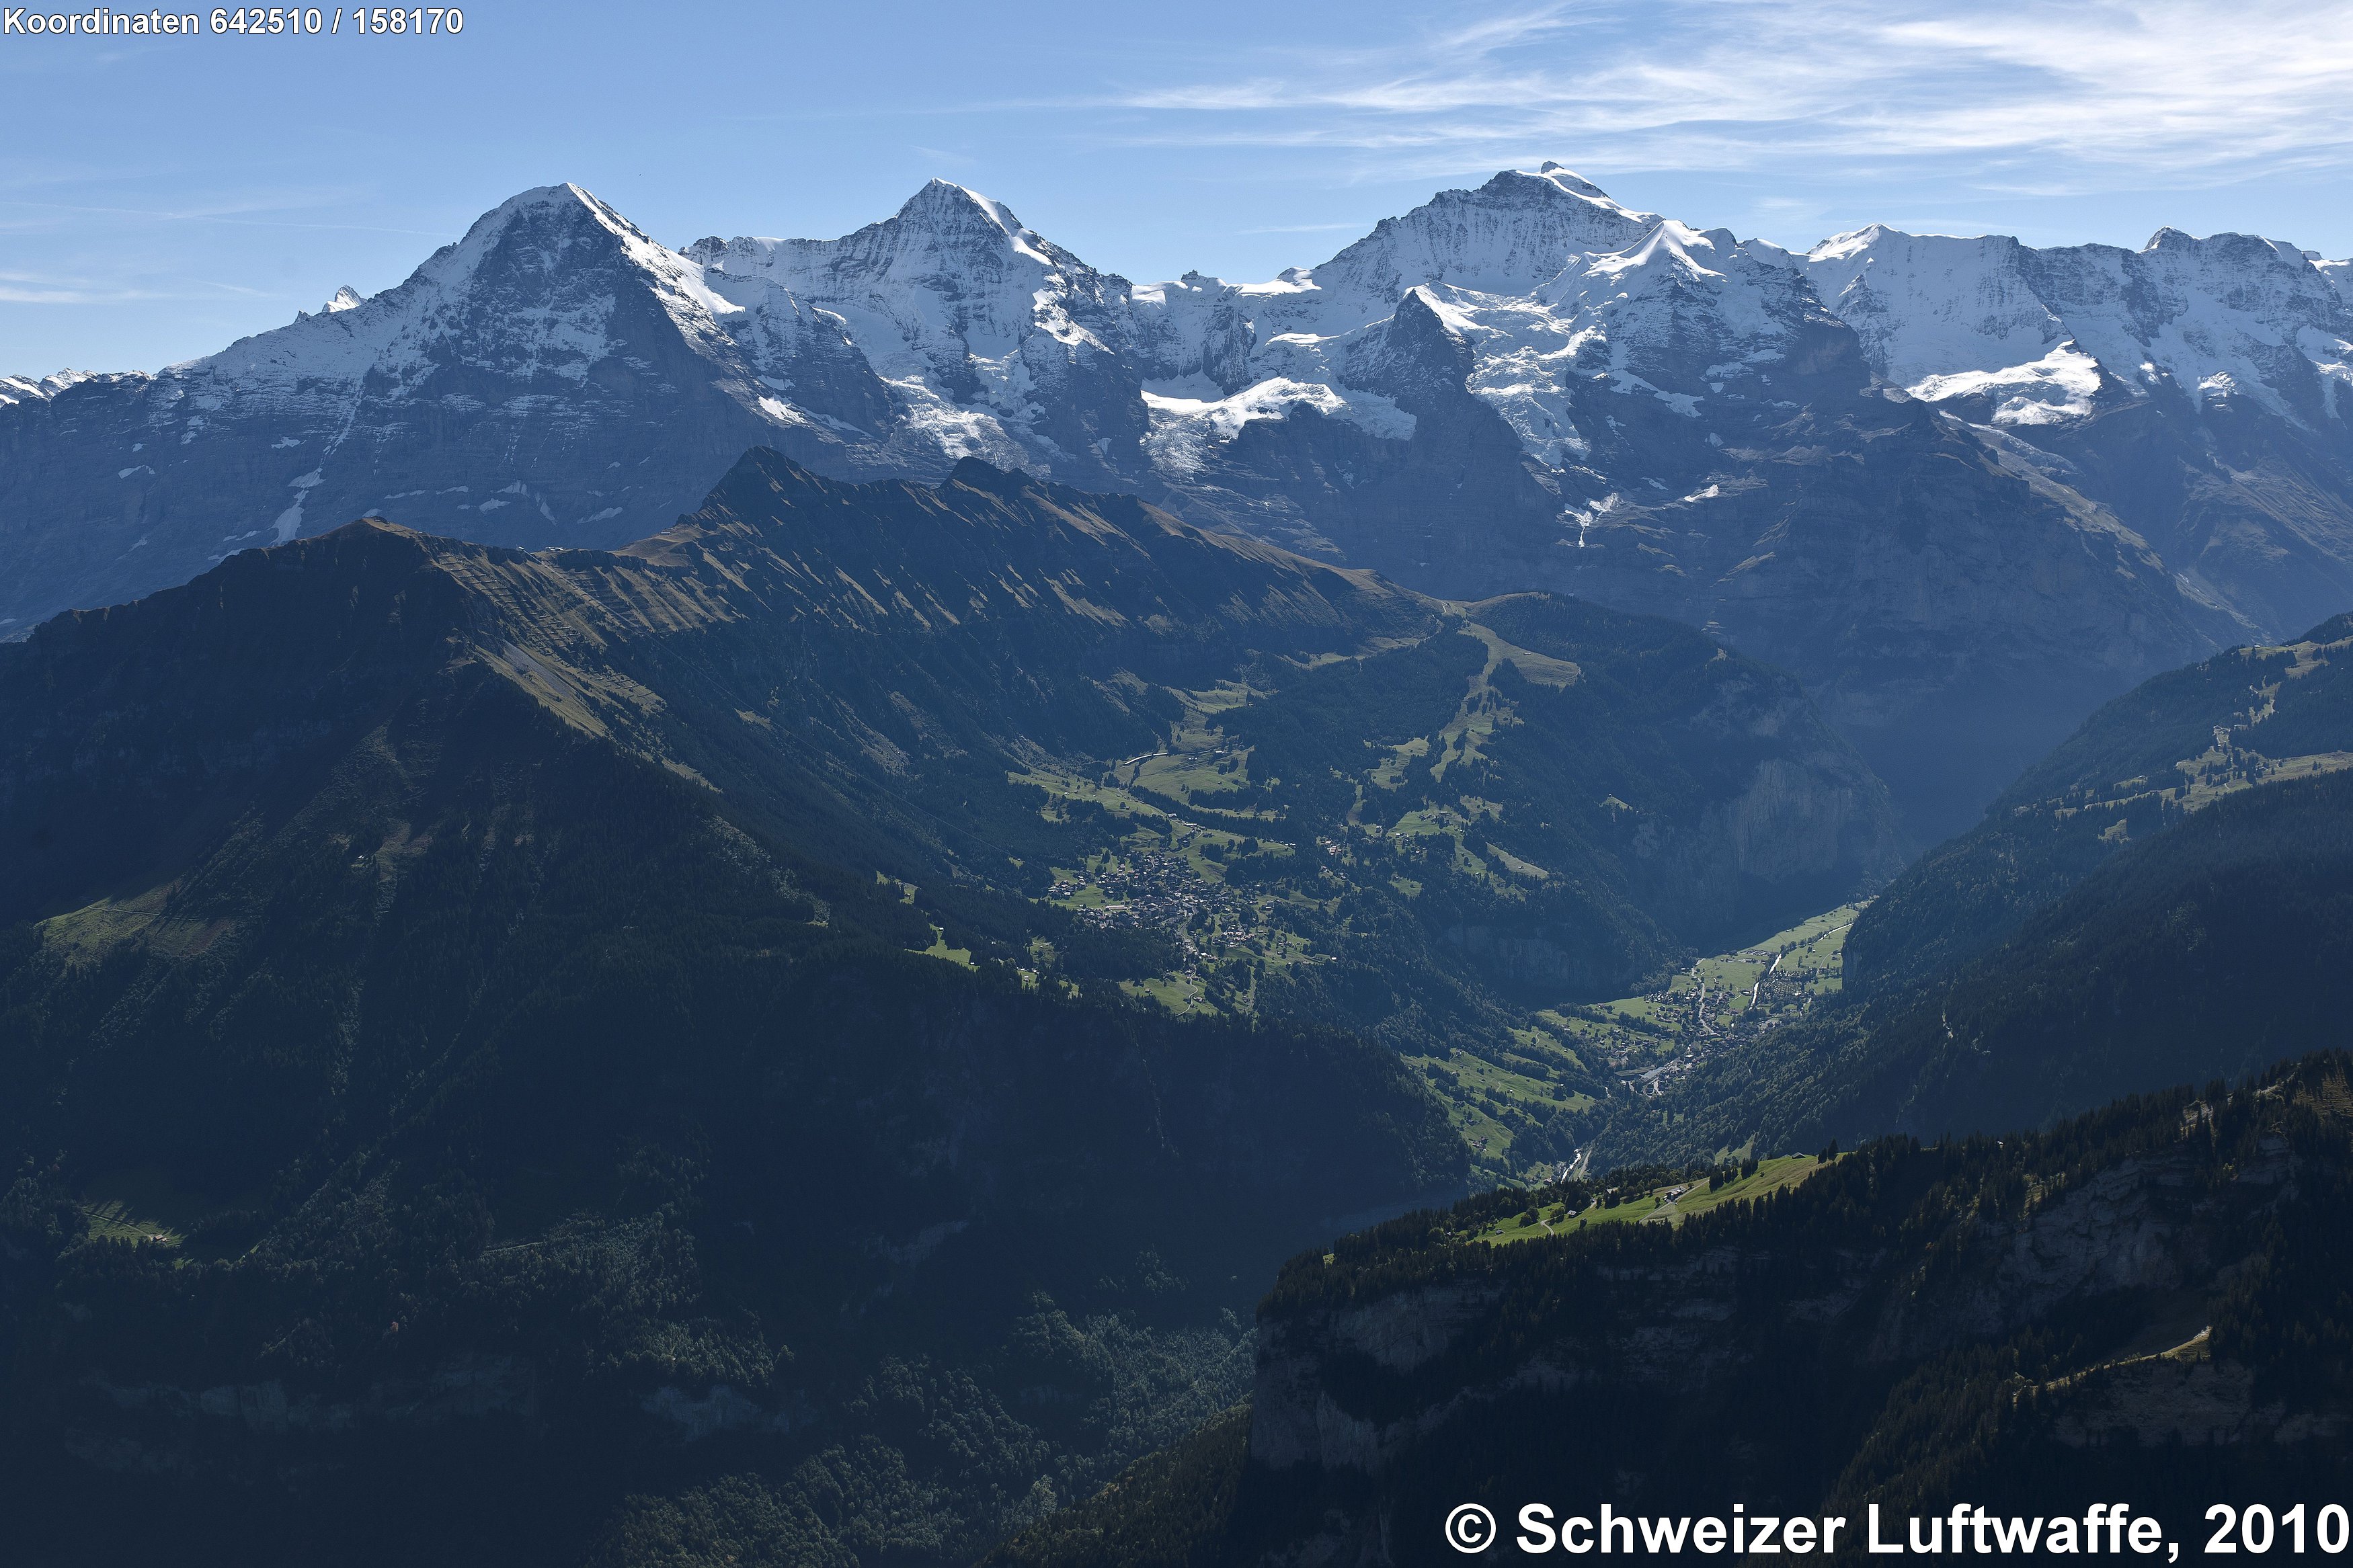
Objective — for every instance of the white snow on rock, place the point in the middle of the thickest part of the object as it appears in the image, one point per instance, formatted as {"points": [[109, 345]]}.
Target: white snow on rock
{"points": [[971, 334], [399, 340], [1545, 278], [2052, 389], [1184, 428], [985, 333], [1932, 306], [40, 389], [967, 314], [2045, 330], [2338, 273], [1509, 237]]}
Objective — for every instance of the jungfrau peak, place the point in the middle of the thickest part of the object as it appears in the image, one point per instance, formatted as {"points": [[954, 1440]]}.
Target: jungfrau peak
{"points": [[1510, 236], [1921, 471]]}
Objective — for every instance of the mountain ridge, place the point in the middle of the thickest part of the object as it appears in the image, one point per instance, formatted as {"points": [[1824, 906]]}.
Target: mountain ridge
{"points": [[825, 1010], [1179, 759], [2159, 900], [1521, 385]]}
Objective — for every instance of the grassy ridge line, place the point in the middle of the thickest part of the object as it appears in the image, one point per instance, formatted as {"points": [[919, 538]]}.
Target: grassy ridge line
{"points": [[1661, 1203]]}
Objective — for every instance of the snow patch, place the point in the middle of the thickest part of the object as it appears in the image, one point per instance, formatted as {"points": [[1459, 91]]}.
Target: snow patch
{"points": [[1185, 430], [2052, 389]]}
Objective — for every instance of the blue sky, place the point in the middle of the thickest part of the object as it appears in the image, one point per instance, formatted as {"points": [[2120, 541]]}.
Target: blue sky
{"points": [[159, 198]]}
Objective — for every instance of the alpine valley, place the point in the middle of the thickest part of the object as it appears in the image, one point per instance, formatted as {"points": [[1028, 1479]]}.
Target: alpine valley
{"points": [[822, 1021], [1964, 489], [2145, 1299]]}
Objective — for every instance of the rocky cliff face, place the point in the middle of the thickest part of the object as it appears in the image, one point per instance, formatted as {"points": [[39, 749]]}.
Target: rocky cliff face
{"points": [[996, 342], [1680, 1323], [1877, 574], [1905, 1326]]}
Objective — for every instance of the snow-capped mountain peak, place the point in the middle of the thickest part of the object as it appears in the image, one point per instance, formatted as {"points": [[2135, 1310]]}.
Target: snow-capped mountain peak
{"points": [[981, 326], [484, 396], [948, 212], [1929, 305], [2031, 337], [1685, 250], [1534, 293], [41, 388], [1510, 236], [1568, 179], [944, 236]]}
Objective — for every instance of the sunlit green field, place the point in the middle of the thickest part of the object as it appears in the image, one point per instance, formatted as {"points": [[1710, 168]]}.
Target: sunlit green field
{"points": [[1670, 1203]]}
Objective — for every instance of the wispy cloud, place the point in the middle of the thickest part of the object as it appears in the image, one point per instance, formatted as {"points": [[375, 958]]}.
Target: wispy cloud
{"points": [[39, 289], [242, 215], [25, 289], [944, 157], [2034, 95]]}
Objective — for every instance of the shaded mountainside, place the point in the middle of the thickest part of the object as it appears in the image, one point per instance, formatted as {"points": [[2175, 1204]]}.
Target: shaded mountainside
{"points": [[2211, 948], [2248, 717], [1090, 739], [1953, 612], [2161, 899], [2143, 1302], [691, 1034], [2216, 946], [479, 1108]]}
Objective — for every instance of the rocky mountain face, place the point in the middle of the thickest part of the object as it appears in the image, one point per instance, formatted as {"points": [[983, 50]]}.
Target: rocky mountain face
{"points": [[2197, 388], [993, 341], [1963, 489], [552, 376], [2023, 1324]]}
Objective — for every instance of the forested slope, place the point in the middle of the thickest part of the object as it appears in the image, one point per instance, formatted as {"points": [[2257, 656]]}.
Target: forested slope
{"points": [[825, 1018], [2142, 1304]]}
